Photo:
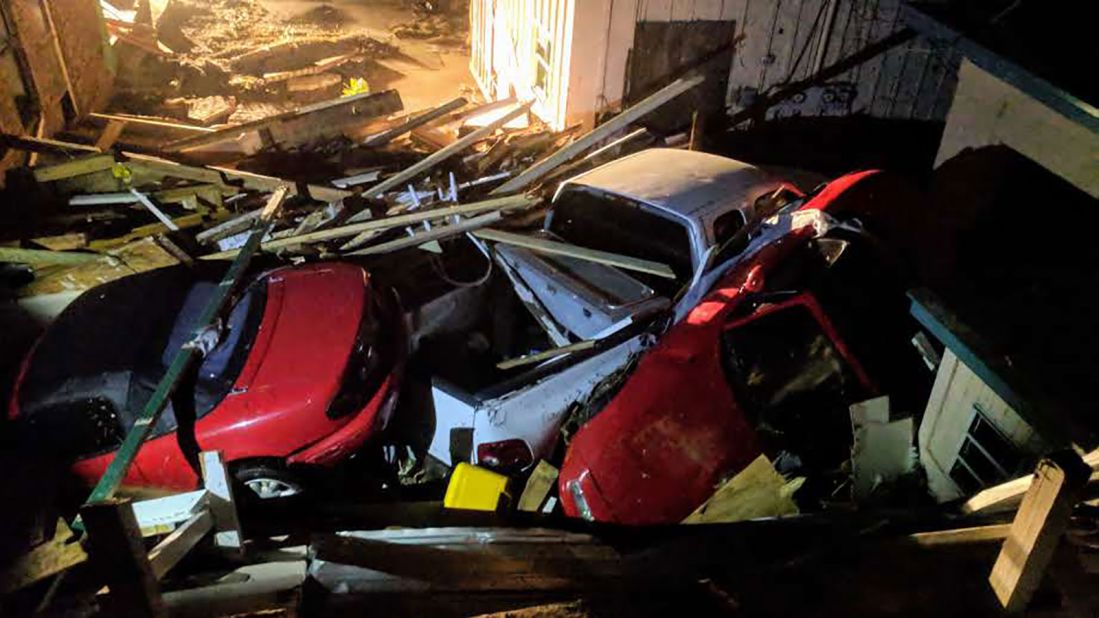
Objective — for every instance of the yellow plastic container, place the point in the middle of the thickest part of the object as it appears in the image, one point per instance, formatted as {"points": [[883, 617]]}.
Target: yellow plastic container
{"points": [[474, 489]]}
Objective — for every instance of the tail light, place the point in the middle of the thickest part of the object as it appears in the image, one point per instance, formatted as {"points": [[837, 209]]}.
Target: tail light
{"points": [[509, 455]]}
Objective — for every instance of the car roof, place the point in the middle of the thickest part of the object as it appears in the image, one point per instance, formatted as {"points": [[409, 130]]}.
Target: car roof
{"points": [[684, 182]]}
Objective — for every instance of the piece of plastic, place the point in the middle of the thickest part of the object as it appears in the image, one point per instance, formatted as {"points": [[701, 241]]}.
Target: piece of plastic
{"points": [[475, 489]]}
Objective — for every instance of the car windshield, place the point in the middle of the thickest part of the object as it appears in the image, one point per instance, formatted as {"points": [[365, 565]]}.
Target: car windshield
{"points": [[618, 225], [221, 366], [95, 367]]}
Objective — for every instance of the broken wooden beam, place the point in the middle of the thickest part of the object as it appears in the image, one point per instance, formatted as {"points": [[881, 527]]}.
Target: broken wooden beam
{"points": [[434, 159], [503, 204], [44, 257], [384, 137], [49, 558], [552, 247], [175, 546], [1036, 531], [76, 167], [436, 233], [603, 131]]}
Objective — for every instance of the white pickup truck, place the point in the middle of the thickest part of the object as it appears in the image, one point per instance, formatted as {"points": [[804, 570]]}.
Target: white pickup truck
{"points": [[674, 207]]}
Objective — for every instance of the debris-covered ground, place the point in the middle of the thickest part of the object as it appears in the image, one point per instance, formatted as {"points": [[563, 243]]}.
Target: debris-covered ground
{"points": [[440, 312]]}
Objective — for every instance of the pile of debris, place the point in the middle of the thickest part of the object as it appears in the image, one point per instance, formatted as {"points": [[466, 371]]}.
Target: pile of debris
{"points": [[233, 61]]}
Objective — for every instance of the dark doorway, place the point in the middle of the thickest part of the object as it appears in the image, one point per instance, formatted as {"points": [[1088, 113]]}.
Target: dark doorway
{"points": [[664, 51]]}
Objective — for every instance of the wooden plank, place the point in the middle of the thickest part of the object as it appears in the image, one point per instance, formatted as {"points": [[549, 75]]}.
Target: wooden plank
{"points": [[612, 126], [530, 359], [160, 515], [399, 179], [110, 134], [503, 204], [176, 545], [76, 167], [538, 487], [962, 536], [152, 122], [1037, 529], [384, 137], [44, 145], [119, 557], [1008, 495], [559, 248], [215, 478], [44, 257], [435, 233]]}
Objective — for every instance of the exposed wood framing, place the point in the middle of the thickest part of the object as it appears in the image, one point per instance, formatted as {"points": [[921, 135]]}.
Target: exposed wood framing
{"points": [[219, 488], [559, 248]]}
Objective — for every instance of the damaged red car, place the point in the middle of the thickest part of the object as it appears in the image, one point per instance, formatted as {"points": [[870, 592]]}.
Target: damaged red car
{"points": [[306, 371], [811, 319]]}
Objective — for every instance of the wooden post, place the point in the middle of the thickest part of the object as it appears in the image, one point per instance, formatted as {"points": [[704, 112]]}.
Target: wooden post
{"points": [[215, 476], [1037, 528], [118, 554]]}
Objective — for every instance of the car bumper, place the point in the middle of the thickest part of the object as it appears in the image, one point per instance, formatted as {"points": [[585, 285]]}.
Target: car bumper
{"points": [[342, 443]]}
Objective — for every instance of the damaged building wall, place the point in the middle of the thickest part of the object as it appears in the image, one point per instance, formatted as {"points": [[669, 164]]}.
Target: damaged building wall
{"points": [[33, 75], [772, 43]]}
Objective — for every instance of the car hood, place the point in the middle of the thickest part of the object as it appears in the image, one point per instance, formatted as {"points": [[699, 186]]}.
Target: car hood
{"points": [[300, 352]]}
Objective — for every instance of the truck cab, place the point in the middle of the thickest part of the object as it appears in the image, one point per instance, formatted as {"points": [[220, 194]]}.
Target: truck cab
{"points": [[668, 206]]}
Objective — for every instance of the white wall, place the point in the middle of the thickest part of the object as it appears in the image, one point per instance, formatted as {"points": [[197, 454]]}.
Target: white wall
{"points": [[776, 41]]}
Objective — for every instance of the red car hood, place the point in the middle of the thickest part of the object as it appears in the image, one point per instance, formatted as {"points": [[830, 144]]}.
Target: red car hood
{"points": [[297, 360]]}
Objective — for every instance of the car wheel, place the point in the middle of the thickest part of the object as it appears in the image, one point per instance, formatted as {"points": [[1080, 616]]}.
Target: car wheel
{"points": [[267, 481]]}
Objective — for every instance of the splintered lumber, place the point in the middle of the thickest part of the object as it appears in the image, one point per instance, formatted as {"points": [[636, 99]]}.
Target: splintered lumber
{"points": [[215, 475], [76, 167], [435, 233], [259, 182], [388, 135], [502, 204], [175, 546], [531, 359], [538, 487], [553, 247], [603, 131], [399, 179], [1036, 531], [50, 558], [44, 257], [756, 491]]}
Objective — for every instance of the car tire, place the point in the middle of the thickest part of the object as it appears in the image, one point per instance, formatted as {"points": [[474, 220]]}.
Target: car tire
{"points": [[267, 480]]}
